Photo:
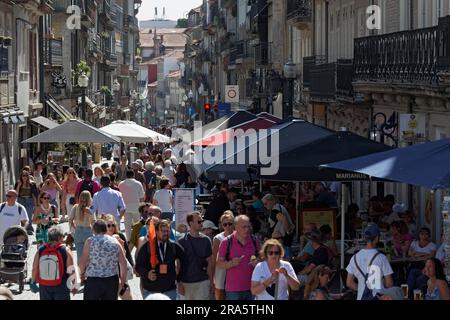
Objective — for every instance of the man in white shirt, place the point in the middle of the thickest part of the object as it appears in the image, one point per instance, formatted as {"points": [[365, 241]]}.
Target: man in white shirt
{"points": [[163, 198], [12, 213], [116, 152], [133, 194], [371, 264]]}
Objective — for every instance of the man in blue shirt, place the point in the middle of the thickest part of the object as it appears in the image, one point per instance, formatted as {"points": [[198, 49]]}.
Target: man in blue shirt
{"points": [[108, 201]]}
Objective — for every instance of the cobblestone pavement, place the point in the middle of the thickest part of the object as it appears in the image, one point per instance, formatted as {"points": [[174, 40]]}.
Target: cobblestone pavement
{"points": [[28, 295]]}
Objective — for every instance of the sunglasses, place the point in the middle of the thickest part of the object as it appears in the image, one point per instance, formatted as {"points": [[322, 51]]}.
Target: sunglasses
{"points": [[45, 198], [200, 221], [111, 225], [273, 253], [10, 196], [227, 224]]}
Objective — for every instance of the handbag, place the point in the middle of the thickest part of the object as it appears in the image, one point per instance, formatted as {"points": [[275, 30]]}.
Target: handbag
{"points": [[130, 271]]}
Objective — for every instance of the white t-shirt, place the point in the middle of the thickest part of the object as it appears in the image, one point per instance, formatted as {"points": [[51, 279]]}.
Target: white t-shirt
{"points": [[426, 250], [169, 173], [132, 191], [262, 273], [363, 258], [10, 216], [163, 198]]}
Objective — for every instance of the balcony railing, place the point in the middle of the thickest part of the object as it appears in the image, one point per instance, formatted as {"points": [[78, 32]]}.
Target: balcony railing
{"points": [[243, 49], [344, 79], [233, 54], [308, 63], [332, 81], [111, 58], [323, 82], [414, 56], [262, 53], [53, 52], [299, 10]]}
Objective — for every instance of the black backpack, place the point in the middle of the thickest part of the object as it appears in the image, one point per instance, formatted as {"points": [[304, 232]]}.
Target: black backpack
{"points": [[87, 186], [367, 293], [4, 205]]}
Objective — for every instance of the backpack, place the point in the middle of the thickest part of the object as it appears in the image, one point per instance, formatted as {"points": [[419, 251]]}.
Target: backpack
{"points": [[87, 186], [51, 266], [367, 293], [4, 205], [230, 241]]}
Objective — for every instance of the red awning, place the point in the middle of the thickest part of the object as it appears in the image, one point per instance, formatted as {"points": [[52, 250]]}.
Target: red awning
{"points": [[224, 136]]}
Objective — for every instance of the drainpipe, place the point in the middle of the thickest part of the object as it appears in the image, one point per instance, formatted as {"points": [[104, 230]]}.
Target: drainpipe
{"points": [[41, 64]]}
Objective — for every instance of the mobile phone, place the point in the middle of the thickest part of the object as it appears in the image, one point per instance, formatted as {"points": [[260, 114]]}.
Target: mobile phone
{"points": [[124, 288]]}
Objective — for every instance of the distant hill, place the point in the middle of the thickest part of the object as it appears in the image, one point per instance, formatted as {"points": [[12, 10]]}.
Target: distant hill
{"points": [[159, 24]]}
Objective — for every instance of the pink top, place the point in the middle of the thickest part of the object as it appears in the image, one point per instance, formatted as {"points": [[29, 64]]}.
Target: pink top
{"points": [[77, 190], [399, 240], [239, 278]]}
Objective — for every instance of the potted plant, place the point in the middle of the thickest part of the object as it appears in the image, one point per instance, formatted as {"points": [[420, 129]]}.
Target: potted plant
{"points": [[107, 94], [80, 68]]}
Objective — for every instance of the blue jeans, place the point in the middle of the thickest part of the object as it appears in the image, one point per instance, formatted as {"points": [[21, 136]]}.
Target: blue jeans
{"points": [[172, 294], [28, 203], [239, 295], [81, 235]]}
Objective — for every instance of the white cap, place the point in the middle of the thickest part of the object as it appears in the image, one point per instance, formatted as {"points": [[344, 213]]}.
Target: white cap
{"points": [[209, 224]]}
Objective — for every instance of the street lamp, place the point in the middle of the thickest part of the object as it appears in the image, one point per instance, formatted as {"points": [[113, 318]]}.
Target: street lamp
{"points": [[116, 89], [290, 73], [83, 83]]}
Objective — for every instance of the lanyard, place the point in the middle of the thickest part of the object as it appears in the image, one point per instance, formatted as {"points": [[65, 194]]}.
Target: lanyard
{"points": [[163, 252]]}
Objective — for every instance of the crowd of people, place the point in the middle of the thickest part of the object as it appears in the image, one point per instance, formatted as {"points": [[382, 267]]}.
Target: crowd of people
{"points": [[242, 247]]}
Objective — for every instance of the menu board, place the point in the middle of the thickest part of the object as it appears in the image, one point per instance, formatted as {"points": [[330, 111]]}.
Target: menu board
{"points": [[184, 203], [319, 217]]}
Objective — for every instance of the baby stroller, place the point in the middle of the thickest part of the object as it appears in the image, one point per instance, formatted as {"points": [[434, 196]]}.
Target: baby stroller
{"points": [[13, 257]]}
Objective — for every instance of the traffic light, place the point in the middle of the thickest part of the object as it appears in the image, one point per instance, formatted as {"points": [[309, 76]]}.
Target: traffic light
{"points": [[207, 107]]}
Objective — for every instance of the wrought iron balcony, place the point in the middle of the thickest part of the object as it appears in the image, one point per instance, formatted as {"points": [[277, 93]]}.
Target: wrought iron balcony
{"points": [[332, 81], [299, 10], [413, 57], [308, 63], [243, 49], [262, 53], [53, 52], [233, 54]]}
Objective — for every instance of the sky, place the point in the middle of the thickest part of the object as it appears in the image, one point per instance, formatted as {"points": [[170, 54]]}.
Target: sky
{"points": [[175, 9]]}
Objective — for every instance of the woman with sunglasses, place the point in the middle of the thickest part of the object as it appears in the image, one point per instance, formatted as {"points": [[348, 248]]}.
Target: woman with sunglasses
{"points": [[113, 231], [53, 188], [81, 221], [45, 215], [28, 194], [69, 186], [273, 277], [226, 223]]}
